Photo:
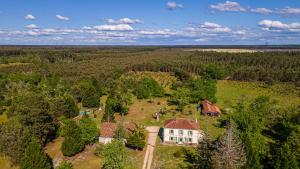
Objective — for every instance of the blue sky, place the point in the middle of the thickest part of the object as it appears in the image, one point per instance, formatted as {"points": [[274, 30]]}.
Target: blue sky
{"points": [[149, 22]]}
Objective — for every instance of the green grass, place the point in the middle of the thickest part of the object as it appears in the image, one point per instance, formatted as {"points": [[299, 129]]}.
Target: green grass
{"points": [[164, 155], [229, 92]]}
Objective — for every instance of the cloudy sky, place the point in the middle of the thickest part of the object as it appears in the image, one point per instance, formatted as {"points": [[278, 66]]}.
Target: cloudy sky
{"points": [[149, 22]]}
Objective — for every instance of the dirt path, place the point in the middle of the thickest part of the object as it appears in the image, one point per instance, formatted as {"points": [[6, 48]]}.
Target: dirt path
{"points": [[153, 132]]}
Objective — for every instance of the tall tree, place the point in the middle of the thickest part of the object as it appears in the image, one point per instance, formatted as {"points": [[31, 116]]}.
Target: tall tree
{"points": [[73, 142], [89, 130], [114, 155], [35, 157], [181, 98], [229, 152], [201, 157]]}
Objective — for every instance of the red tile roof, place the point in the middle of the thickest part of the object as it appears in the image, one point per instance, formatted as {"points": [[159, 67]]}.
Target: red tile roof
{"points": [[108, 129], [181, 123], [208, 107]]}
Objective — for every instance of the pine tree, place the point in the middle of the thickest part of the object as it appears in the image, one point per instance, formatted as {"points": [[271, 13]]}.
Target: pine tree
{"points": [[34, 157], [73, 142], [201, 157], [229, 153]]}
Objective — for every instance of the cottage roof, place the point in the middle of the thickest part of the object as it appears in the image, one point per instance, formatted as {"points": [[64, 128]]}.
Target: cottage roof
{"points": [[181, 123], [108, 129], [208, 107]]}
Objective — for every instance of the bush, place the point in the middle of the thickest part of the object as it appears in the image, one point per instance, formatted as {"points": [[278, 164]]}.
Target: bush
{"points": [[65, 165], [34, 157], [73, 142]]}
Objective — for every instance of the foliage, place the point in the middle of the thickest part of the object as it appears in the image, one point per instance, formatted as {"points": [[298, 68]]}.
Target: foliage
{"points": [[73, 142], [118, 101], [202, 88], [88, 91], [13, 139], [114, 155], [136, 140], [89, 130], [65, 165], [181, 97], [64, 106], [32, 111], [34, 157], [201, 157], [119, 133], [148, 88]]}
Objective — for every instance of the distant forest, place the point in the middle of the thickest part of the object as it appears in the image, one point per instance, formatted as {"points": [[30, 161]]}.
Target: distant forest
{"points": [[106, 63]]}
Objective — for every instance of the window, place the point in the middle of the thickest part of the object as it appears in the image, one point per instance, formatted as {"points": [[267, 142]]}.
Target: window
{"points": [[180, 139], [190, 133], [180, 132], [190, 140], [171, 132], [172, 139]]}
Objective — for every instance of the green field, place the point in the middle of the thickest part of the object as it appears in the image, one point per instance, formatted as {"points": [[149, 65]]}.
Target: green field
{"points": [[229, 92]]}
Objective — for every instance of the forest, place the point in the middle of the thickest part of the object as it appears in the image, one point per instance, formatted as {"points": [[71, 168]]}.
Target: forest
{"points": [[42, 89]]}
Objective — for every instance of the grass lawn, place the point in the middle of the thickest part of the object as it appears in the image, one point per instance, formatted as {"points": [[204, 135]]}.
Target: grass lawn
{"points": [[165, 156], [6, 164], [83, 160], [229, 92]]}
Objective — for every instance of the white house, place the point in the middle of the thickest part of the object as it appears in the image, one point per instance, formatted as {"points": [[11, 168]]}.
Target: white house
{"points": [[107, 132], [181, 131]]}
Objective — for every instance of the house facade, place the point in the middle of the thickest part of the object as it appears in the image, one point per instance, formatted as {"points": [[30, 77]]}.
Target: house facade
{"points": [[181, 131]]}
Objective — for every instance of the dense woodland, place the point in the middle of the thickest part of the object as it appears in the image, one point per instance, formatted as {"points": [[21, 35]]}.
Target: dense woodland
{"points": [[41, 87], [105, 63]]}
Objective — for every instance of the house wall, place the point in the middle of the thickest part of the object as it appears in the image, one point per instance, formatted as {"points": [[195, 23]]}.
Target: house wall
{"points": [[186, 138], [105, 140]]}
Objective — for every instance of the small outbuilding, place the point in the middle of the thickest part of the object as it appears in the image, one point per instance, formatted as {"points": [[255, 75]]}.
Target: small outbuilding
{"points": [[207, 108], [107, 132]]}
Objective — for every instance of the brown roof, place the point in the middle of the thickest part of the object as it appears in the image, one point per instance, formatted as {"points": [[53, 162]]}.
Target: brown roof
{"points": [[108, 129], [208, 107], [181, 123]]}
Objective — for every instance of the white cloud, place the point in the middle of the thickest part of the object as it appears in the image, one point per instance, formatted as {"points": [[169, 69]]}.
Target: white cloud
{"points": [[278, 26], [119, 27], [124, 21], [86, 28], [213, 27], [31, 26], [228, 6], [290, 11], [63, 18], [263, 11], [174, 5], [30, 17], [165, 32]]}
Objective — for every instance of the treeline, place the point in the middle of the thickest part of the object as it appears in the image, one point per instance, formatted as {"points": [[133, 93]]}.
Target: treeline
{"points": [[74, 63], [259, 66]]}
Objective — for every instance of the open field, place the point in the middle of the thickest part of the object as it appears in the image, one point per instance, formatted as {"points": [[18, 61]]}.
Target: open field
{"points": [[229, 92]]}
